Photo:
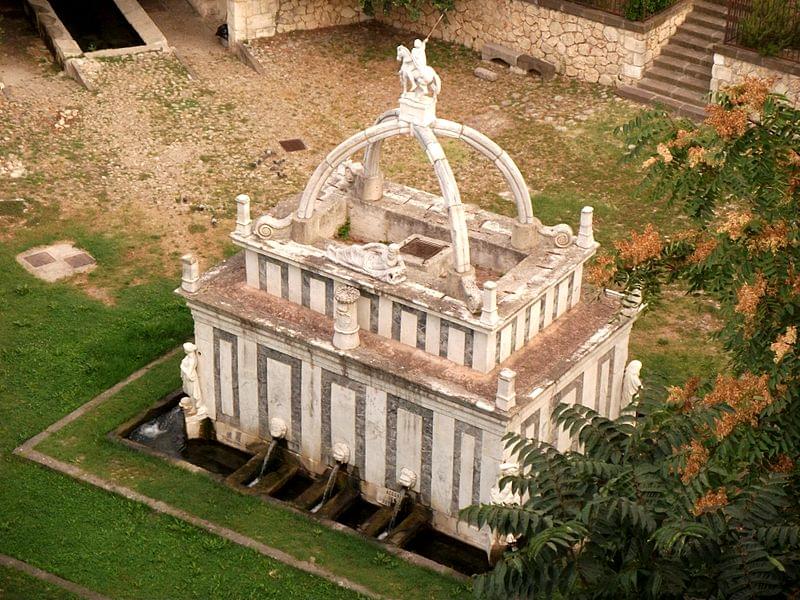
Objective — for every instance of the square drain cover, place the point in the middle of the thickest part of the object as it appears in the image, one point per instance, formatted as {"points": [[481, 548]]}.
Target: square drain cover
{"points": [[77, 261], [422, 248], [39, 259], [294, 145]]}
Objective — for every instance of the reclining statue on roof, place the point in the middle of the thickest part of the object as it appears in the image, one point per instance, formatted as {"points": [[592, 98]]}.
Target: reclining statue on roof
{"points": [[375, 259]]}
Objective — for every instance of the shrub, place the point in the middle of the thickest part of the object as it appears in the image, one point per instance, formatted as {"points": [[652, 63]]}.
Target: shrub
{"points": [[413, 7], [639, 10], [771, 27]]}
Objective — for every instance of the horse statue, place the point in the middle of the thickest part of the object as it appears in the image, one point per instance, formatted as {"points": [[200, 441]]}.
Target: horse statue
{"points": [[415, 74]]}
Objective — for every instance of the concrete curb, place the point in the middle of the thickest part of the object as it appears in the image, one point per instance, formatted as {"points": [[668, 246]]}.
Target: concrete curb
{"points": [[27, 450], [38, 573]]}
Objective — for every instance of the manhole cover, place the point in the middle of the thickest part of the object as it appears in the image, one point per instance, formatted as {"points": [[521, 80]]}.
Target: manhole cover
{"points": [[39, 259], [76, 261], [422, 248], [294, 145]]}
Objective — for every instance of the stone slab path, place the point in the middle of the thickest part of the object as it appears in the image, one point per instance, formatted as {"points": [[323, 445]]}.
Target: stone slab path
{"points": [[78, 590]]}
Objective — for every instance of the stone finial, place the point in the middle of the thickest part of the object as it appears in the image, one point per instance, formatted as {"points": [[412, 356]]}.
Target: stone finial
{"points": [[190, 273], [345, 324], [243, 221], [407, 478], [506, 397], [586, 232], [489, 311]]}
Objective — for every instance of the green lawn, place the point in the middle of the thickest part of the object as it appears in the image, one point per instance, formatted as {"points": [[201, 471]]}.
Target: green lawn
{"points": [[15, 585]]}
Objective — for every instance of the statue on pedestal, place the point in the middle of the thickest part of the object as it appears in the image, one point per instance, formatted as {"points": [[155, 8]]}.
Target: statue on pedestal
{"points": [[194, 410]]}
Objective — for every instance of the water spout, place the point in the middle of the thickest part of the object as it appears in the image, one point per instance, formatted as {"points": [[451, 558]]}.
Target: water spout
{"points": [[331, 483], [265, 462], [406, 481], [398, 506]]}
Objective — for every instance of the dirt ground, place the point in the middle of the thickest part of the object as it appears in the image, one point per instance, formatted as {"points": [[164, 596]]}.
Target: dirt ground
{"points": [[166, 142]]}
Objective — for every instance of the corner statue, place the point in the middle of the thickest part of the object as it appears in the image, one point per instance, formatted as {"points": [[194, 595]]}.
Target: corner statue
{"points": [[415, 74], [192, 404]]}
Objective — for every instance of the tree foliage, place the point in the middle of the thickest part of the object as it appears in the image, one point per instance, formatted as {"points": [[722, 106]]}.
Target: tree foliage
{"points": [[413, 7], [693, 491]]}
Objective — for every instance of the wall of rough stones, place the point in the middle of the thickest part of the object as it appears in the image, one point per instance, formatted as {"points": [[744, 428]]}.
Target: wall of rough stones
{"points": [[576, 45], [729, 70], [251, 19]]}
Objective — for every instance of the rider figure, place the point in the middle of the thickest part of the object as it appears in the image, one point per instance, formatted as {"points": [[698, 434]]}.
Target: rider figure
{"points": [[418, 54]]}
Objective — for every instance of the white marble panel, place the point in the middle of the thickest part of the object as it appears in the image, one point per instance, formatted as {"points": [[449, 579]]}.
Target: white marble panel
{"points": [[519, 342], [384, 316], [343, 418], [226, 377], [492, 447], [295, 285], [533, 326], [442, 463], [483, 351], [408, 328], [563, 442], [316, 295], [248, 385], [310, 407], [505, 343], [274, 279], [251, 269], [363, 308], [549, 300], [409, 444], [432, 333], [563, 297], [467, 467], [204, 339], [279, 391], [577, 281], [456, 340], [375, 436]]}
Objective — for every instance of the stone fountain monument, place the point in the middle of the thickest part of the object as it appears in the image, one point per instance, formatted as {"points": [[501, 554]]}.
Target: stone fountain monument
{"points": [[406, 352]]}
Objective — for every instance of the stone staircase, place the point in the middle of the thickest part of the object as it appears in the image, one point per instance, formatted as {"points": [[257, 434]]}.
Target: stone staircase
{"points": [[680, 76]]}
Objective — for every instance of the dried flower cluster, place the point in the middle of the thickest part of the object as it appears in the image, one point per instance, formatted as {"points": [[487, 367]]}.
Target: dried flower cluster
{"points": [[640, 248], [783, 464], [684, 396], [773, 237], [727, 123], [747, 396], [749, 295], [751, 93], [695, 461], [734, 224], [664, 153], [602, 272], [697, 155], [711, 501], [784, 343], [703, 250]]}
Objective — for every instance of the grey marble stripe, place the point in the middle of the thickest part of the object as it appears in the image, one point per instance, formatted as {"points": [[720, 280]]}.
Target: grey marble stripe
{"points": [[534, 419], [542, 304], [444, 337], [295, 365], [373, 310], [513, 345], [462, 429], [422, 323], [574, 385], [263, 261], [328, 378], [233, 419], [571, 288], [393, 403], [528, 315]]}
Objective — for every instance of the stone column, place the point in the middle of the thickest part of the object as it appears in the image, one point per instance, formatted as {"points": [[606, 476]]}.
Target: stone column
{"points": [[243, 221], [190, 275], [586, 232], [345, 324], [506, 390]]}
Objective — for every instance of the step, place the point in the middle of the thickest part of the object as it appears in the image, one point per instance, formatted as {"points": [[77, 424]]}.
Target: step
{"points": [[681, 80], [680, 66], [696, 57], [672, 91], [689, 41], [707, 20], [709, 8], [691, 111], [702, 32]]}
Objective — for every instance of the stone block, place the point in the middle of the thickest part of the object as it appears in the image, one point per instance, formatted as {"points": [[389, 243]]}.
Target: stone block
{"points": [[485, 74]]}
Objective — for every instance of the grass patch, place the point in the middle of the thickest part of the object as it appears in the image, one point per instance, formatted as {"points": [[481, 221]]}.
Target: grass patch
{"points": [[85, 443]]}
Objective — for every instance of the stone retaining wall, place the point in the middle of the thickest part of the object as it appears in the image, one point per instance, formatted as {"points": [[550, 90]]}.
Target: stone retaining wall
{"points": [[250, 19], [732, 65], [580, 42]]}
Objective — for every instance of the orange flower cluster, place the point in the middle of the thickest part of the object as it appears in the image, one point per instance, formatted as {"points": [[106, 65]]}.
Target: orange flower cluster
{"points": [[682, 139], [664, 153], [784, 343], [684, 396], [703, 250], [727, 123], [773, 237], [697, 155], [602, 272], [713, 500], [749, 295], [747, 396], [752, 92], [640, 248], [783, 464], [734, 224], [696, 460]]}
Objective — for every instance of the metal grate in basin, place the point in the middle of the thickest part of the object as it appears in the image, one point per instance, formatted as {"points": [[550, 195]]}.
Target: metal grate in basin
{"points": [[293, 145], [422, 248]]}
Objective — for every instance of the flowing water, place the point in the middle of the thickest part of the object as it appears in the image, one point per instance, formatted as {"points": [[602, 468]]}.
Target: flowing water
{"points": [[264, 463], [331, 483], [166, 432], [398, 506]]}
